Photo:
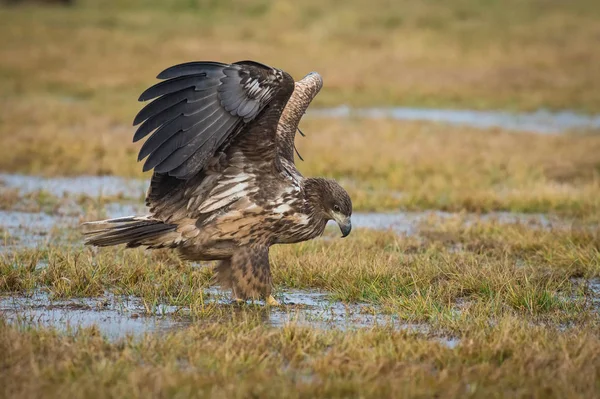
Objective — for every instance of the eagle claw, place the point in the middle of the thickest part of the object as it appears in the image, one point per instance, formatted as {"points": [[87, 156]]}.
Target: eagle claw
{"points": [[272, 301]]}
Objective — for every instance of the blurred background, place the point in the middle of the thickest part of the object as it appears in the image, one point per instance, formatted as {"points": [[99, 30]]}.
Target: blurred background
{"points": [[71, 71]]}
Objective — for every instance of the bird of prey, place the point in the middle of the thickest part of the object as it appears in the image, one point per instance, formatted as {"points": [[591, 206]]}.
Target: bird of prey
{"points": [[224, 185]]}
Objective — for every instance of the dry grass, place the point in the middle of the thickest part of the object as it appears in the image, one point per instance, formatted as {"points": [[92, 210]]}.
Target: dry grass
{"points": [[515, 54], [69, 77], [516, 296], [245, 359]]}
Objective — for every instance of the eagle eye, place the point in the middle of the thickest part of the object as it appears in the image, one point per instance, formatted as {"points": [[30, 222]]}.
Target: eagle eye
{"points": [[336, 208]]}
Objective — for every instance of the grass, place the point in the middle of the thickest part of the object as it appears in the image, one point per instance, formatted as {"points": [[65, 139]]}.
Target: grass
{"points": [[515, 297], [244, 359], [469, 53], [69, 77], [497, 268], [518, 298], [413, 166]]}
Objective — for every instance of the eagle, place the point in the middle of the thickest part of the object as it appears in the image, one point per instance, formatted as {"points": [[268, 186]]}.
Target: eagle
{"points": [[224, 184]]}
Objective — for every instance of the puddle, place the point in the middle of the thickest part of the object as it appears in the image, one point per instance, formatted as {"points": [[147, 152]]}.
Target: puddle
{"points": [[92, 186], [33, 229], [542, 121], [118, 317], [594, 290], [114, 318], [409, 222], [24, 226], [25, 229]]}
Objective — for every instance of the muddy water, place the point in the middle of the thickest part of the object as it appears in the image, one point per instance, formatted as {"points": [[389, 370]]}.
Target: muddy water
{"points": [[543, 122]]}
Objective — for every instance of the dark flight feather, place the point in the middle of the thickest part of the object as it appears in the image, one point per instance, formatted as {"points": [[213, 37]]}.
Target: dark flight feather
{"points": [[197, 108]]}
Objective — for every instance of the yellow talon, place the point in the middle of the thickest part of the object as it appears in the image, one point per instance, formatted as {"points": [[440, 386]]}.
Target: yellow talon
{"points": [[272, 301]]}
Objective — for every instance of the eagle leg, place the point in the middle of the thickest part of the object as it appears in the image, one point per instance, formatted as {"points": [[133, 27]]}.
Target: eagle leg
{"points": [[247, 274]]}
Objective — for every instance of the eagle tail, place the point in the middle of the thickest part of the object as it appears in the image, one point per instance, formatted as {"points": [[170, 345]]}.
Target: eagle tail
{"points": [[134, 231]]}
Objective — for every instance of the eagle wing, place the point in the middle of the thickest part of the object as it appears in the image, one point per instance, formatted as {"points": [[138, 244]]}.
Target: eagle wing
{"points": [[198, 112], [304, 92], [198, 109]]}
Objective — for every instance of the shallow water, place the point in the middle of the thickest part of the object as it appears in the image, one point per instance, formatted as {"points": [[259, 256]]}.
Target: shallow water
{"points": [[92, 186], [115, 318], [408, 222], [118, 317], [542, 121], [28, 230], [25, 229], [399, 222]]}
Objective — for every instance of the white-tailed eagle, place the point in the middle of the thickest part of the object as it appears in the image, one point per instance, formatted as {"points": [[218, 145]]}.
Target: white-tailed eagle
{"points": [[224, 184]]}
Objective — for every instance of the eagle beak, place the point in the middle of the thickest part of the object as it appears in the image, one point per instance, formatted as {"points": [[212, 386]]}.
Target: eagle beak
{"points": [[344, 222]]}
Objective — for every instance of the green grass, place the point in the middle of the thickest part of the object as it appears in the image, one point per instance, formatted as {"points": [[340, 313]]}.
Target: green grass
{"points": [[515, 296], [497, 268]]}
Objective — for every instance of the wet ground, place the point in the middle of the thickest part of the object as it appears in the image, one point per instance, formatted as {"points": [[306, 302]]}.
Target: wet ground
{"points": [[542, 121], [92, 186], [116, 317], [29, 229]]}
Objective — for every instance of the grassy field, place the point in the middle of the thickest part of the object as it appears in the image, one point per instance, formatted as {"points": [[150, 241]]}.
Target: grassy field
{"points": [[515, 297], [412, 166], [468, 53], [518, 301], [70, 76]]}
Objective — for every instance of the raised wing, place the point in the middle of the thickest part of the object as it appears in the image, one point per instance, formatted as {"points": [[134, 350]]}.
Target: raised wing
{"points": [[304, 92], [197, 109]]}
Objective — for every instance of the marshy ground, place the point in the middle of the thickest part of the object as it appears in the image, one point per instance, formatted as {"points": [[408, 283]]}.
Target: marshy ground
{"points": [[474, 268]]}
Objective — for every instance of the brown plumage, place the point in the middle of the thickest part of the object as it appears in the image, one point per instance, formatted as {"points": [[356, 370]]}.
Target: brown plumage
{"points": [[224, 184]]}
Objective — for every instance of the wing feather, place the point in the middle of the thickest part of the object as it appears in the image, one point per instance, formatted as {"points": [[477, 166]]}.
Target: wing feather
{"points": [[199, 82], [198, 108], [179, 156], [185, 108], [167, 101], [187, 126], [209, 68]]}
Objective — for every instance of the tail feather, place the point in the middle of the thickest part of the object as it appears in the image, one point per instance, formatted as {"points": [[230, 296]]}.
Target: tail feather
{"points": [[131, 230]]}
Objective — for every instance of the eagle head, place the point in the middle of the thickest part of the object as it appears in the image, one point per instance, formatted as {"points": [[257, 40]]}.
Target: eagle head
{"points": [[334, 203]]}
